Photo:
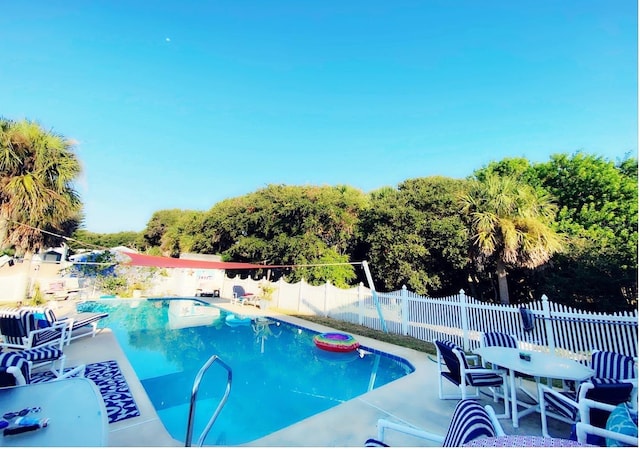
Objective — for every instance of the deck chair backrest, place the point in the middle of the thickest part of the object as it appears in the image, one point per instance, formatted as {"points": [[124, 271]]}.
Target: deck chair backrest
{"points": [[13, 327], [469, 421], [238, 290], [446, 349], [42, 313], [499, 339], [612, 365]]}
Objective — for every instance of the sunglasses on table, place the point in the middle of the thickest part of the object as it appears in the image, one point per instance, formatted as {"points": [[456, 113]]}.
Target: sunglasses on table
{"points": [[23, 412]]}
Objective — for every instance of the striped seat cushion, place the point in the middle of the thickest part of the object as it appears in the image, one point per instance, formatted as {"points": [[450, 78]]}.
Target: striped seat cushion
{"points": [[469, 421], [42, 354], [17, 359], [564, 408], [82, 319], [483, 379], [46, 336]]}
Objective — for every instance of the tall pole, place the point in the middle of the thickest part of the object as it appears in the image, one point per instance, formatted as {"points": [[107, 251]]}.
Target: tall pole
{"points": [[367, 273]]}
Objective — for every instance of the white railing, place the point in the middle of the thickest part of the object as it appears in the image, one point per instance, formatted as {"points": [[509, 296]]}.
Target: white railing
{"points": [[565, 331]]}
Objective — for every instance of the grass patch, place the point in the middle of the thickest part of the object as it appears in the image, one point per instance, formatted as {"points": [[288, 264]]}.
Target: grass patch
{"points": [[399, 340]]}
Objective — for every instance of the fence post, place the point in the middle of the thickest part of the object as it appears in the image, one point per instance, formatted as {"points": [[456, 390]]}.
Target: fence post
{"points": [[548, 324], [326, 298], [300, 295], [278, 290], [360, 304], [404, 310], [464, 321]]}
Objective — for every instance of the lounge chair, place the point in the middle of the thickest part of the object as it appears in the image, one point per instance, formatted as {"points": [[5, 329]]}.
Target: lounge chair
{"points": [[469, 421], [31, 348], [16, 366], [243, 297], [462, 374], [81, 324], [19, 329], [614, 381]]}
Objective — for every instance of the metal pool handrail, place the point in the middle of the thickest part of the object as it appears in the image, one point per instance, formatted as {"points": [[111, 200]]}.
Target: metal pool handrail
{"points": [[194, 393]]}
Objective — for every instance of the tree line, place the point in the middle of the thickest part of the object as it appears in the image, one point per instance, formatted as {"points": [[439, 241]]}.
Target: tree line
{"points": [[510, 232]]}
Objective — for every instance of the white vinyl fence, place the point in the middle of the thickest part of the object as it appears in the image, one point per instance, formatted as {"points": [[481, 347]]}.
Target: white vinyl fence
{"points": [[565, 331]]}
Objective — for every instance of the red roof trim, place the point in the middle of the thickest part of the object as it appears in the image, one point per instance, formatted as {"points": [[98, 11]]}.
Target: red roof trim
{"points": [[144, 260]]}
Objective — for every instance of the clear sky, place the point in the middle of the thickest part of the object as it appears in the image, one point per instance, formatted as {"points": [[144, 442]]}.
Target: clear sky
{"points": [[181, 104]]}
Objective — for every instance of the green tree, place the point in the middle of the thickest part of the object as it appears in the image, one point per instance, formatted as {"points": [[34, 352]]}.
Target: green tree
{"points": [[83, 239], [511, 224], [598, 213], [414, 236], [170, 232], [37, 171], [286, 225]]}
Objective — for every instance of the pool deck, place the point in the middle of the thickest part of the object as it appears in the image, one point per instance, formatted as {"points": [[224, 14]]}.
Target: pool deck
{"points": [[412, 400]]}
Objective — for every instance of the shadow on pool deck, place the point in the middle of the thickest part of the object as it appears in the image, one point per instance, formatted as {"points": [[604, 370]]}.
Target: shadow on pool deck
{"points": [[413, 400]]}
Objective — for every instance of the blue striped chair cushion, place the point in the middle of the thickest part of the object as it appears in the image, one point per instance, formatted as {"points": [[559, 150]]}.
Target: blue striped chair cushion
{"points": [[80, 319], [469, 421], [612, 365], [446, 350], [499, 339], [17, 359], [12, 327], [483, 379], [46, 336], [42, 354], [560, 406]]}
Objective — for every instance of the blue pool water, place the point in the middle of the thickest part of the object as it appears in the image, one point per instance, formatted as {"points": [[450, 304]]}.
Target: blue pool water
{"points": [[279, 376]]}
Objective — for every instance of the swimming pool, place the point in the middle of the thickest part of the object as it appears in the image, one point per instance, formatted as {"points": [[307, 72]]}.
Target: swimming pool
{"points": [[279, 376]]}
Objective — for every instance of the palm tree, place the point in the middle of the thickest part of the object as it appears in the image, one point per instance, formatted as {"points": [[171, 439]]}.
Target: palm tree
{"points": [[510, 222], [37, 169]]}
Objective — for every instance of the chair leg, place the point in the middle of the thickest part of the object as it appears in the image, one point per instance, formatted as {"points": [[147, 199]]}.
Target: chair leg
{"points": [[78, 370], [543, 412]]}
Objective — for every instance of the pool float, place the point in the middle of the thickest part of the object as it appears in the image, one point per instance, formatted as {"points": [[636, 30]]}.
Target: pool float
{"points": [[233, 320], [336, 342]]}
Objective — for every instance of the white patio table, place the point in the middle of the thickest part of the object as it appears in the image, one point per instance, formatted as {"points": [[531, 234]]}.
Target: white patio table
{"points": [[74, 406], [541, 365]]}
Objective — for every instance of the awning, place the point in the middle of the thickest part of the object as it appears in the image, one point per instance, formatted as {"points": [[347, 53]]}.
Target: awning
{"points": [[143, 260]]}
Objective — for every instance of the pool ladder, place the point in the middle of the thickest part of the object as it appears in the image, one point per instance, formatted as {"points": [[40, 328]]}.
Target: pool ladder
{"points": [[194, 393]]}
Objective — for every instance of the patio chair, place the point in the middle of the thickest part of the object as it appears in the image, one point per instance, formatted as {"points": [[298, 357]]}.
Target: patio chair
{"points": [[469, 421], [620, 428], [462, 374], [613, 382], [16, 366], [80, 324], [243, 297], [19, 329]]}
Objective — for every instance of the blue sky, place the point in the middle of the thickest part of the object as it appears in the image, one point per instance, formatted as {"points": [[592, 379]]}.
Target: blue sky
{"points": [[181, 104]]}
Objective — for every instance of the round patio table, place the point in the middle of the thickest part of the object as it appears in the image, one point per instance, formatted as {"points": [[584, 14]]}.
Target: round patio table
{"points": [[522, 441]]}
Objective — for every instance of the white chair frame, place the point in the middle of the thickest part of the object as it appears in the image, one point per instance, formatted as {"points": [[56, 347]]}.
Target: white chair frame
{"points": [[584, 427]]}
